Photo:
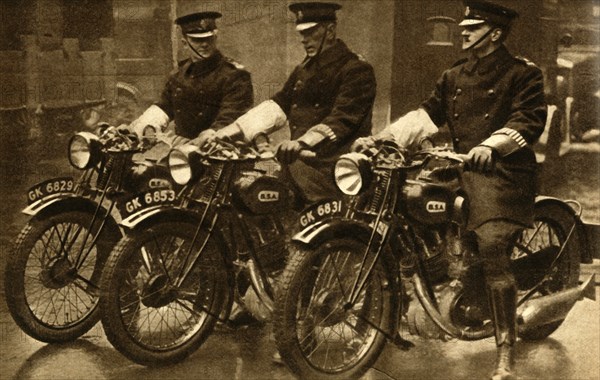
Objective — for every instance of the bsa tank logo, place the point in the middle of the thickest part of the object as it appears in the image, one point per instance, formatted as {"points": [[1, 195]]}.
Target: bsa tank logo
{"points": [[435, 207], [268, 196], [156, 183]]}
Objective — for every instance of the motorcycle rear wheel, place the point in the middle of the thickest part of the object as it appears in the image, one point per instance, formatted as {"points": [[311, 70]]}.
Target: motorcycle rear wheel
{"points": [[48, 296], [147, 316], [551, 228], [318, 335]]}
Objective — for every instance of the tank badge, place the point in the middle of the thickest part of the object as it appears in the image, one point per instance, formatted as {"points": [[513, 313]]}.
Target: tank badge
{"points": [[435, 207], [268, 196]]}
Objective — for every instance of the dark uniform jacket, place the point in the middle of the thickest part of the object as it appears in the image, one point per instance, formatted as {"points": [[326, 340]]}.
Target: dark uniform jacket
{"points": [[476, 98], [335, 88], [207, 94]]}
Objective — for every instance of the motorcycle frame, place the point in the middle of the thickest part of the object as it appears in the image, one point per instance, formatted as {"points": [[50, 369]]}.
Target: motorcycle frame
{"points": [[403, 242], [218, 207]]}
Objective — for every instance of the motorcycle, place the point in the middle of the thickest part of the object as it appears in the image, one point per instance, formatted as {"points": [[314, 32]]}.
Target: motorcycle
{"points": [[53, 272], [350, 279], [179, 268]]}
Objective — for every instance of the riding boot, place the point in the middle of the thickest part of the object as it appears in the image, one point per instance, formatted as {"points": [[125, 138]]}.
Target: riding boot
{"points": [[502, 297]]}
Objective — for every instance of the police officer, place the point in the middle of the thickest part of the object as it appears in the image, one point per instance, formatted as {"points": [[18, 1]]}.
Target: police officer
{"points": [[327, 101], [206, 91], [493, 104]]}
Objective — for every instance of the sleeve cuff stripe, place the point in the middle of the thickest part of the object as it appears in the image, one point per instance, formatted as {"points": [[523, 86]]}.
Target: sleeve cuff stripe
{"points": [[330, 134], [514, 135]]}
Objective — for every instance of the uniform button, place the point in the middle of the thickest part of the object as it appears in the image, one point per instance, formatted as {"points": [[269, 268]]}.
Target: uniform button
{"points": [[458, 91], [200, 114], [456, 140], [317, 105], [456, 116], [491, 92], [294, 106], [178, 110], [487, 116]]}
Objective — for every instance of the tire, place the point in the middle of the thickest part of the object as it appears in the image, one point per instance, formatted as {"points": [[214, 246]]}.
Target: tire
{"points": [[537, 247], [310, 287], [133, 296], [49, 300]]}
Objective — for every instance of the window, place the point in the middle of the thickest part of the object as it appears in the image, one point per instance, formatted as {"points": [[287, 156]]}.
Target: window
{"points": [[441, 31]]}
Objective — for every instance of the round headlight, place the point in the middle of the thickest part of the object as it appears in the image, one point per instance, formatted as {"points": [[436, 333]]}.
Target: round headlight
{"points": [[84, 150], [352, 173], [149, 131], [179, 164]]}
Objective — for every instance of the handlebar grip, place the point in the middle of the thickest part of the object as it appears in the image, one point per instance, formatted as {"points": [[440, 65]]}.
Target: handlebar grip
{"points": [[463, 157], [307, 154]]}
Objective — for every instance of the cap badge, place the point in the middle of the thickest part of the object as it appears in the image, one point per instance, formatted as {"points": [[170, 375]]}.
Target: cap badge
{"points": [[467, 11], [300, 15]]}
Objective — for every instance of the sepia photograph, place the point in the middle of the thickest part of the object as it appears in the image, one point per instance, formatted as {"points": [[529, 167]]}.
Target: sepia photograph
{"points": [[278, 189]]}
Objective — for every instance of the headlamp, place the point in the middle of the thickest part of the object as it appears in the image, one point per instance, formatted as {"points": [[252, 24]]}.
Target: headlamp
{"points": [[84, 150], [180, 166], [352, 173]]}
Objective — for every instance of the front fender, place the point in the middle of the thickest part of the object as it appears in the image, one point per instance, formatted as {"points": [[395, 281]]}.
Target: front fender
{"points": [[317, 233], [51, 202], [561, 212], [160, 214], [65, 202]]}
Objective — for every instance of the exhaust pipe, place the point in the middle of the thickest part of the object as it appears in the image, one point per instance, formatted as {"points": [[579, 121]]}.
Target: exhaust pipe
{"points": [[554, 307]]}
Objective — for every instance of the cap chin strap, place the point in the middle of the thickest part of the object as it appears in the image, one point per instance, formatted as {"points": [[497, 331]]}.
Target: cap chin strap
{"points": [[194, 50], [480, 39], [320, 49]]}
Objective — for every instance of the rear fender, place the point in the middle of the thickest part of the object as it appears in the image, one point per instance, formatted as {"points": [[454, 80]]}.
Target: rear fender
{"points": [[563, 213]]}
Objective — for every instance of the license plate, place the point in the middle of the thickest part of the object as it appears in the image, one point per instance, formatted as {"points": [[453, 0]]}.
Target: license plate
{"points": [[133, 204], [49, 187], [321, 211]]}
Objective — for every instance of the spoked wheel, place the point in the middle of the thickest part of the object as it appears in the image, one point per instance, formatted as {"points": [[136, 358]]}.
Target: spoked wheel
{"points": [[534, 259], [153, 312], [320, 334], [52, 277]]}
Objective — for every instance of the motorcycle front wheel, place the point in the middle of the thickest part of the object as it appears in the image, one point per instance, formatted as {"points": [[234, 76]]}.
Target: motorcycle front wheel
{"points": [[153, 313], [52, 276], [319, 334], [535, 260]]}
